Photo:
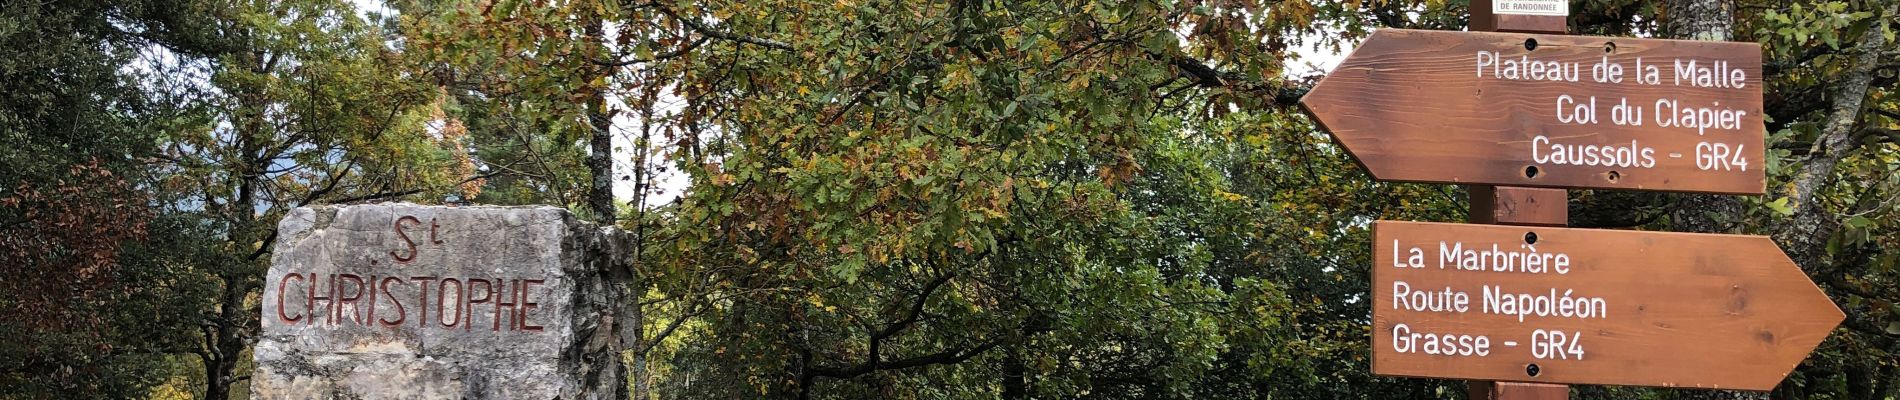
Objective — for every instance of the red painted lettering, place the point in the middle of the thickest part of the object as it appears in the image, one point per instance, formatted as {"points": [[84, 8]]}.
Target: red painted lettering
{"points": [[400, 313], [527, 305], [346, 298], [507, 301], [331, 308], [424, 280], [371, 288], [310, 300], [405, 239], [442, 293], [281, 282], [488, 292]]}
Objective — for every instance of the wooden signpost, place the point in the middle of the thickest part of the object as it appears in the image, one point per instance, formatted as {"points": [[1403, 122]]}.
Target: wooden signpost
{"points": [[1520, 307], [1594, 306], [1549, 111]]}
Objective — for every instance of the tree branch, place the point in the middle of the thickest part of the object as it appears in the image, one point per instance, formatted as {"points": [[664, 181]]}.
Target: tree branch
{"points": [[1888, 114], [1883, 135], [1806, 232], [401, 193], [715, 33], [1813, 52], [874, 361], [1206, 76], [675, 53], [950, 356], [916, 309], [263, 246]]}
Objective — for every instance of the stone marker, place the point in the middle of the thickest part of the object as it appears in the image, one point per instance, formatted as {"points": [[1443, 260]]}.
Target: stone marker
{"points": [[409, 301]]}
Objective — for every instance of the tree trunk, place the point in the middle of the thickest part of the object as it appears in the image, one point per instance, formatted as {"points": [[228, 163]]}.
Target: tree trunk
{"points": [[642, 377], [1710, 20], [229, 344], [1015, 386], [1805, 235], [1811, 225], [225, 330], [642, 381], [600, 161]]}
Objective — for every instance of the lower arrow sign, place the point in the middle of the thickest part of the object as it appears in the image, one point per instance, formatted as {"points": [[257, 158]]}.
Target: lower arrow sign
{"points": [[1585, 306]]}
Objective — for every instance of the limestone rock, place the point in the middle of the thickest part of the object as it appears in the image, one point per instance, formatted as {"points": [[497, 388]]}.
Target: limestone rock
{"points": [[429, 302]]}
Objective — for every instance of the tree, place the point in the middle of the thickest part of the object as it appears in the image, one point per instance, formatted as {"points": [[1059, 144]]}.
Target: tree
{"points": [[954, 200], [305, 105], [1843, 148], [521, 80], [71, 203], [804, 175], [1830, 159], [963, 199]]}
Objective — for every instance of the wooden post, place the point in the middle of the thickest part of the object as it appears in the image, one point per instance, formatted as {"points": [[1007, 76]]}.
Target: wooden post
{"points": [[1522, 206], [1506, 205], [1487, 390]]}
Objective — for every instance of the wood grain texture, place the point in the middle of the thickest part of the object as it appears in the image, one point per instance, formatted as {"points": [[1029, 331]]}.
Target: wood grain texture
{"points": [[1510, 205], [1410, 106], [1683, 310], [1486, 390]]}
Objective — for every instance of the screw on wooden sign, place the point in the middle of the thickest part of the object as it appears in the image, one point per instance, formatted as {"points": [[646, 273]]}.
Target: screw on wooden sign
{"points": [[1549, 111], [1557, 305]]}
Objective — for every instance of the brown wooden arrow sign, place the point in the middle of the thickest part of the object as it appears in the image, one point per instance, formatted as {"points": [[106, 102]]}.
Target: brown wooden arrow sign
{"points": [[1549, 110], [1557, 305]]}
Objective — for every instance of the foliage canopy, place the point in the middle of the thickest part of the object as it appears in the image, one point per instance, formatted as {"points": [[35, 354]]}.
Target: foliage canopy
{"points": [[888, 199]]}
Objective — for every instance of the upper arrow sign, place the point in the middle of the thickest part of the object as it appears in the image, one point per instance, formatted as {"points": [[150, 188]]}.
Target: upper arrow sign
{"points": [[1549, 110], [1559, 305]]}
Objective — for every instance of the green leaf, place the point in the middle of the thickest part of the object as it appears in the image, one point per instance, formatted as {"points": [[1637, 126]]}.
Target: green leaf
{"points": [[1780, 206], [1859, 222]]}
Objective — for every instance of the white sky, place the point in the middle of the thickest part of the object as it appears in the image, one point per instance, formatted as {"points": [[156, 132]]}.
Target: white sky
{"points": [[1315, 59]]}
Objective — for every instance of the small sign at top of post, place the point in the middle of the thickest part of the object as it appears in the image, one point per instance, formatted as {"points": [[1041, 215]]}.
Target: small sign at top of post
{"points": [[1555, 8]]}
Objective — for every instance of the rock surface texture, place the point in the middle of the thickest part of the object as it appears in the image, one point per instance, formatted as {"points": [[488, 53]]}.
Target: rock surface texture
{"points": [[427, 302]]}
